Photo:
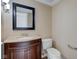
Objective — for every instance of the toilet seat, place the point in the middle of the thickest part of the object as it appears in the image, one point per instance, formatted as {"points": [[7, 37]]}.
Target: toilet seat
{"points": [[53, 53]]}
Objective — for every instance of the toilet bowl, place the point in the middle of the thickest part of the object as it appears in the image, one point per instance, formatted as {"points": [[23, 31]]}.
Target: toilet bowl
{"points": [[53, 53]]}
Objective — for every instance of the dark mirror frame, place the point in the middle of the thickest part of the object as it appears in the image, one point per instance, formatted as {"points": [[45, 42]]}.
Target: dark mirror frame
{"points": [[15, 19]]}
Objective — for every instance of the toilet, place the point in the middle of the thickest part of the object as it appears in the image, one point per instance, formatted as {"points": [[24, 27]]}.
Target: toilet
{"points": [[49, 51]]}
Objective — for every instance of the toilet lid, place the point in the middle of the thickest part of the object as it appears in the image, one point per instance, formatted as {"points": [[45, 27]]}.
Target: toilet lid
{"points": [[53, 51]]}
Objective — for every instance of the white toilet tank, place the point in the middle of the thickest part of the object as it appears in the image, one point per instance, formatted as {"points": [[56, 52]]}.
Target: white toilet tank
{"points": [[47, 43]]}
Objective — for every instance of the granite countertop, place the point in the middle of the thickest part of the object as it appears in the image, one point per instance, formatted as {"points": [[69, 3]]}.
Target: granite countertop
{"points": [[20, 39]]}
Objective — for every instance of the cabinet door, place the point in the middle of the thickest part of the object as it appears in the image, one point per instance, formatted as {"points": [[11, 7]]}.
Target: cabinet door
{"points": [[35, 52], [16, 53]]}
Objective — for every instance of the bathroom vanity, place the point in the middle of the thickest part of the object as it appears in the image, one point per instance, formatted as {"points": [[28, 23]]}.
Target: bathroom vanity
{"points": [[23, 48]]}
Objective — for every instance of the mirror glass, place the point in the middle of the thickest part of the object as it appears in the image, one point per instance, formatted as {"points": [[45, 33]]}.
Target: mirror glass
{"points": [[23, 17]]}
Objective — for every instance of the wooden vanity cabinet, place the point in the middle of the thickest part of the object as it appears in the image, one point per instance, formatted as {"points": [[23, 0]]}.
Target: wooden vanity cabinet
{"points": [[23, 50]]}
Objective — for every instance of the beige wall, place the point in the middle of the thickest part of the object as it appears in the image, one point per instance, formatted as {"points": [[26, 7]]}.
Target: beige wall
{"points": [[42, 21], [64, 27]]}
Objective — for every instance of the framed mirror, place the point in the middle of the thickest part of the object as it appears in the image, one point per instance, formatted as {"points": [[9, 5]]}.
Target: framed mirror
{"points": [[23, 17]]}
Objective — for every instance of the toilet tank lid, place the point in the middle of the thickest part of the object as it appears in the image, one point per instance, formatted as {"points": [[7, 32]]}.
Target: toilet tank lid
{"points": [[47, 39]]}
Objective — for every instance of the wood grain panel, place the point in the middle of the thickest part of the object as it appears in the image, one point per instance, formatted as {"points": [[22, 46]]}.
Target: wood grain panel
{"points": [[23, 50]]}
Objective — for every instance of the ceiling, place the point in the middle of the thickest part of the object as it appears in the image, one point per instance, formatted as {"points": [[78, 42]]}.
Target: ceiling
{"points": [[49, 2]]}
